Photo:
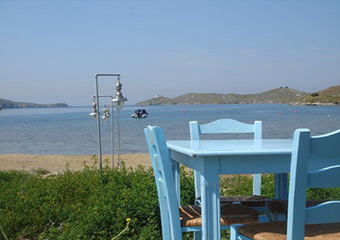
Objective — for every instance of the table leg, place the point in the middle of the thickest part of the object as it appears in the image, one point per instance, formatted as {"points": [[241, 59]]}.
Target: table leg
{"points": [[281, 186], [210, 190], [176, 171], [197, 178]]}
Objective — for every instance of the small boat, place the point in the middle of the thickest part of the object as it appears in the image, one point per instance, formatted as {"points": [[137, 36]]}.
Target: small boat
{"points": [[140, 113]]}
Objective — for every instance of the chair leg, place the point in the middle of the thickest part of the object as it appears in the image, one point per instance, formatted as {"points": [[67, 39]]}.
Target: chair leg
{"points": [[277, 217], [198, 235], [263, 218], [234, 235], [257, 181], [197, 179]]}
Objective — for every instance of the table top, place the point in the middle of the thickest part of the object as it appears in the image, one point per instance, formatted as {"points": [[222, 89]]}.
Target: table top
{"points": [[231, 147]]}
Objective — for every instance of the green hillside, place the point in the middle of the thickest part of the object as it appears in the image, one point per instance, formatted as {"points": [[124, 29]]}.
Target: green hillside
{"points": [[329, 96], [278, 95], [4, 103]]}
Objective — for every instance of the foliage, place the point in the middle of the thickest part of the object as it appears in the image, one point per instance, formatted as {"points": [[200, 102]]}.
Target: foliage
{"points": [[86, 205], [238, 185], [323, 194], [83, 205], [242, 185]]}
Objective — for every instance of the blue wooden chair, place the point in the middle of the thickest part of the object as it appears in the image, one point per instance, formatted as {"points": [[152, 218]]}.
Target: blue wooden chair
{"points": [[175, 218], [231, 126], [317, 222]]}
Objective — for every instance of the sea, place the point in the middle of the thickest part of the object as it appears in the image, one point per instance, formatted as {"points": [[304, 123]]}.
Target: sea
{"points": [[71, 131]]}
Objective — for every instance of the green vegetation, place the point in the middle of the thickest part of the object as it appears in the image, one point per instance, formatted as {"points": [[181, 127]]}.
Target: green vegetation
{"points": [[329, 96], [324, 97], [4, 103], [279, 95], [84, 205], [319, 100]]}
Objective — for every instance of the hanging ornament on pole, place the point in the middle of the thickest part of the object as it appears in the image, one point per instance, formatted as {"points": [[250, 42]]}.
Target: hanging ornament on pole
{"points": [[118, 102], [94, 108]]}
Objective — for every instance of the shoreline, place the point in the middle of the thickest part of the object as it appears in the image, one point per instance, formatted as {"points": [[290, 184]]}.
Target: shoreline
{"points": [[56, 164]]}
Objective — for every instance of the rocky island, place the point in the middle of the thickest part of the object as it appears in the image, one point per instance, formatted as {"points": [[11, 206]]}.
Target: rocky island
{"points": [[4, 103], [283, 95]]}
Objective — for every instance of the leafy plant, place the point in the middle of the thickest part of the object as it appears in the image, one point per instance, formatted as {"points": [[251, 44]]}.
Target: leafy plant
{"points": [[86, 205]]}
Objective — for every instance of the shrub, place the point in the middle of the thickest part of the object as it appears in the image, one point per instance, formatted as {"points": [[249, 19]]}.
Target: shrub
{"points": [[83, 205], [86, 205]]}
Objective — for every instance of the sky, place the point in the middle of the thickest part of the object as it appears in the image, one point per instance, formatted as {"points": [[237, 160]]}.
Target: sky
{"points": [[51, 50]]}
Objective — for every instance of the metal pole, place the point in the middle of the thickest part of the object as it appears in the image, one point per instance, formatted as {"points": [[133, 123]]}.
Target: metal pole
{"points": [[120, 100], [112, 137], [118, 133], [99, 132], [107, 74]]}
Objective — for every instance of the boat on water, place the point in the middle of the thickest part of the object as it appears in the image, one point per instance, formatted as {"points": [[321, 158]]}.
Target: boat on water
{"points": [[140, 113]]}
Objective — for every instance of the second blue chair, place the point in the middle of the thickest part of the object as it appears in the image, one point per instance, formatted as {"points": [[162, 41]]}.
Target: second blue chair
{"points": [[231, 126]]}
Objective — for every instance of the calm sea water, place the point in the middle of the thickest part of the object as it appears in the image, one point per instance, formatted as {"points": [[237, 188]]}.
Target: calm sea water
{"points": [[73, 131]]}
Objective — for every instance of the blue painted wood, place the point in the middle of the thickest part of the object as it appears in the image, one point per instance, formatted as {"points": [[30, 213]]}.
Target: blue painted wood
{"points": [[244, 147], [227, 126], [298, 165], [309, 153], [229, 157], [211, 197], [325, 177], [317, 148], [165, 181], [327, 212], [281, 186]]}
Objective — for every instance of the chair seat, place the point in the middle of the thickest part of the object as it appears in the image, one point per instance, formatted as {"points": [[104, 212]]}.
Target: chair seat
{"points": [[250, 201], [281, 206], [190, 216], [278, 230]]}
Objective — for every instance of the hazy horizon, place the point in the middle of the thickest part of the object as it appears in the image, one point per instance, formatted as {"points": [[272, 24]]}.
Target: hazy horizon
{"points": [[50, 51]]}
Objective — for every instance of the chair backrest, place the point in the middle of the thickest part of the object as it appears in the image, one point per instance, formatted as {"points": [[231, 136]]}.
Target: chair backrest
{"points": [[227, 126], [165, 181], [325, 150]]}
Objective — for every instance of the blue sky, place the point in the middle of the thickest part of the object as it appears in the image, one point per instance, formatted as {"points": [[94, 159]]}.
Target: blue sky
{"points": [[51, 50]]}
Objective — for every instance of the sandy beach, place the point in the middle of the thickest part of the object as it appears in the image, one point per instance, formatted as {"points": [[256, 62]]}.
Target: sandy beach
{"points": [[59, 163]]}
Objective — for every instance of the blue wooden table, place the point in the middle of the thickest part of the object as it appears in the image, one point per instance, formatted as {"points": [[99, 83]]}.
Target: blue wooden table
{"points": [[215, 157]]}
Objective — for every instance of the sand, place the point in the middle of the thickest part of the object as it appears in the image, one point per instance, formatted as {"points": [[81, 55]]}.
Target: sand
{"points": [[59, 163]]}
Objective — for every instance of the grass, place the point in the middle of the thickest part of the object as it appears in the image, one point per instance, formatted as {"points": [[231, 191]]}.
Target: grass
{"points": [[85, 205]]}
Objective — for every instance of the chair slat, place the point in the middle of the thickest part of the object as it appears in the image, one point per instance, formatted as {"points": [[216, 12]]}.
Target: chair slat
{"points": [[226, 126], [328, 144], [327, 212], [324, 178]]}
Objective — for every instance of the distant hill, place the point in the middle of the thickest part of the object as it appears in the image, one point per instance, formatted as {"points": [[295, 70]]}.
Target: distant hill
{"points": [[329, 96], [4, 103], [278, 95], [332, 91]]}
